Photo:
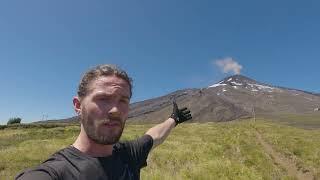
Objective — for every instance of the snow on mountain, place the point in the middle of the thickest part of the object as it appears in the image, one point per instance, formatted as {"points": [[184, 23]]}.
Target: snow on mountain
{"points": [[239, 81], [216, 85]]}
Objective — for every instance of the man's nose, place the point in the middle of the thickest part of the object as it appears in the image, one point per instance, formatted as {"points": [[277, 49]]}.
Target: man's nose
{"points": [[114, 111]]}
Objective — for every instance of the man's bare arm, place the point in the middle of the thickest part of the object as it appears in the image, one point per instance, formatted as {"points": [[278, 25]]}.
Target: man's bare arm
{"points": [[161, 131]]}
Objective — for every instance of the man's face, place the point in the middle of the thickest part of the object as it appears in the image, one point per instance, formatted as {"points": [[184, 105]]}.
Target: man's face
{"points": [[105, 108]]}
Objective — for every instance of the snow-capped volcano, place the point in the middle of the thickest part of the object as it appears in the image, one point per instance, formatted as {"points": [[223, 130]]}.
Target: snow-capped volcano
{"points": [[231, 98], [239, 81]]}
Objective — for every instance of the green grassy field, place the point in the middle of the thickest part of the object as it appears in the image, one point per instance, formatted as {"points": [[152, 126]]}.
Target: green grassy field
{"points": [[192, 151]]}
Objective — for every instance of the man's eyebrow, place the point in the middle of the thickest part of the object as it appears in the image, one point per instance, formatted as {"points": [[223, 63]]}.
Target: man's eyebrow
{"points": [[126, 97]]}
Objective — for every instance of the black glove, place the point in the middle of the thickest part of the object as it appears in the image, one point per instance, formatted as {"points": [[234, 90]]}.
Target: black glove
{"points": [[180, 115]]}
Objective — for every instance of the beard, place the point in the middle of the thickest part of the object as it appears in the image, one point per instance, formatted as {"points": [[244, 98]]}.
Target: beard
{"points": [[99, 134]]}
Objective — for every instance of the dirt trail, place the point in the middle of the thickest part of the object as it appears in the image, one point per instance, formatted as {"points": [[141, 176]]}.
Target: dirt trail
{"points": [[284, 162]]}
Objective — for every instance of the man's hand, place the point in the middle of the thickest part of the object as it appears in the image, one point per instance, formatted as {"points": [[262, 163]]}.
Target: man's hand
{"points": [[180, 115]]}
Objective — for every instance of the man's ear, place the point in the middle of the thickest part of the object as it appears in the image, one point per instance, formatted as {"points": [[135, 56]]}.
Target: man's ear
{"points": [[77, 104]]}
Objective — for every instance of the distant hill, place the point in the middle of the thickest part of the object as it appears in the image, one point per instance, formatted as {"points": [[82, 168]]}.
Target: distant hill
{"points": [[73, 119], [231, 98]]}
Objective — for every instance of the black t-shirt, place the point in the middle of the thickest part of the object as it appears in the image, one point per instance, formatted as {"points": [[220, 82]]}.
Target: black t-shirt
{"points": [[69, 163]]}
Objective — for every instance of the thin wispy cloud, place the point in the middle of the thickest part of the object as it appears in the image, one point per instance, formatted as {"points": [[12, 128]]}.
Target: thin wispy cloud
{"points": [[228, 65]]}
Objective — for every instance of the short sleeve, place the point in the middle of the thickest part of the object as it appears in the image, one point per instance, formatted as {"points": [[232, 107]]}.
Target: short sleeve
{"points": [[138, 150]]}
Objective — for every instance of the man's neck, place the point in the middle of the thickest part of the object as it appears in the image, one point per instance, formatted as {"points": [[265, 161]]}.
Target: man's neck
{"points": [[84, 144]]}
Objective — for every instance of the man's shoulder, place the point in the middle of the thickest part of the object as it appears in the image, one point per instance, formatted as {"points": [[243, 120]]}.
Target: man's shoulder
{"points": [[59, 159], [52, 167], [134, 152], [135, 142]]}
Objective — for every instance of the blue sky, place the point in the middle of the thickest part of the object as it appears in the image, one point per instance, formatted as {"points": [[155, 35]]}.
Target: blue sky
{"points": [[166, 45]]}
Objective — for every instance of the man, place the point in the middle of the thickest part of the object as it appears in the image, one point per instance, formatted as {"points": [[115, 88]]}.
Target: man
{"points": [[103, 105]]}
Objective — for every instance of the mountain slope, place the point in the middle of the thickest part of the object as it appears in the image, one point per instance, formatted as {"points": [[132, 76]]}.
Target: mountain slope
{"points": [[233, 97]]}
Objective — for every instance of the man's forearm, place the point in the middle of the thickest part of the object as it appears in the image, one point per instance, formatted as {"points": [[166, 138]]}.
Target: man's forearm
{"points": [[161, 131]]}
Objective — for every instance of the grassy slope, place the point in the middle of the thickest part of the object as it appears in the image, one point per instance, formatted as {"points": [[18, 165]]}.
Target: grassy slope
{"points": [[295, 143], [192, 151]]}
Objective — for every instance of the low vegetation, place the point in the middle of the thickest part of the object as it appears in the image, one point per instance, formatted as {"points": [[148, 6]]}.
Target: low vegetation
{"points": [[15, 120], [193, 151]]}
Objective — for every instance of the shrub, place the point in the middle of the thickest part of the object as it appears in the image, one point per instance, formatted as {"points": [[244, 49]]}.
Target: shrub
{"points": [[15, 120]]}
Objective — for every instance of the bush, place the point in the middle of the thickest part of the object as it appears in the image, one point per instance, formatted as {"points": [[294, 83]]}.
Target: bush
{"points": [[15, 120]]}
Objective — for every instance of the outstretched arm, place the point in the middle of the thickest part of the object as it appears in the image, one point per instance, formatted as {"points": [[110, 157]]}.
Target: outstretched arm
{"points": [[161, 131]]}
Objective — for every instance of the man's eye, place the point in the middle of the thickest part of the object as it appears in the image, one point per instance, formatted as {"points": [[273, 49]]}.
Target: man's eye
{"points": [[124, 101]]}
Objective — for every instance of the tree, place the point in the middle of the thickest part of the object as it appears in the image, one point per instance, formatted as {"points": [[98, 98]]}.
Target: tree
{"points": [[15, 120]]}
